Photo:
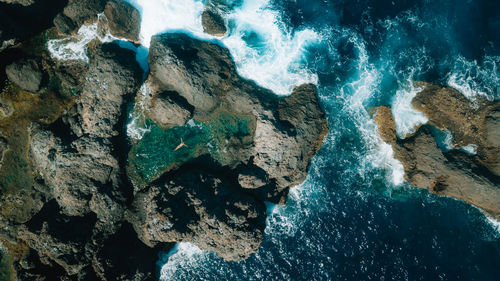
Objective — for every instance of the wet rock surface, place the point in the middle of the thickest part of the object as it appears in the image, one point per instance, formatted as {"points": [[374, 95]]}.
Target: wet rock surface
{"points": [[213, 23], [454, 173], [76, 198]]}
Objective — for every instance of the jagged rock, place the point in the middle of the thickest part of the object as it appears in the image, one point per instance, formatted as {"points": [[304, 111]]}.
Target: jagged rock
{"points": [[275, 141], [114, 261], [26, 74], [113, 76], [20, 2], [5, 109], [470, 123], [77, 171], [198, 206], [3, 147], [454, 173], [168, 113], [76, 13], [213, 23], [124, 20], [260, 143]]}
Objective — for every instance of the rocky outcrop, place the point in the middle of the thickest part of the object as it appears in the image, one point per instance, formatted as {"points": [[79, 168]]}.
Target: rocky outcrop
{"points": [[124, 20], [213, 23], [20, 2], [76, 13], [204, 76], [74, 190], [241, 146], [469, 122], [202, 207], [26, 74], [451, 173]]}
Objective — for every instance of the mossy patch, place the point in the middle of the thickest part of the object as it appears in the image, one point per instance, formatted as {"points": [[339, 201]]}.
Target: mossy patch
{"points": [[156, 152], [15, 172], [9, 253]]}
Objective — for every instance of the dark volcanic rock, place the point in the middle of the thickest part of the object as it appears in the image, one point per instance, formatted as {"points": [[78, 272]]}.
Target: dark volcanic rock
{"points": [[195, 205], [454, 173], [213, 23], [26, 74], [124, 20]]}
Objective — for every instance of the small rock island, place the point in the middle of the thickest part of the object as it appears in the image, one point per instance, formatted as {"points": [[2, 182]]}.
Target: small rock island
{"points": [[468, 166]]}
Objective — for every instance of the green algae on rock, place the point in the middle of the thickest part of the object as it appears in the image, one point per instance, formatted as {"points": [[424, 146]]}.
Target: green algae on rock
{"points": [[217, 135]]}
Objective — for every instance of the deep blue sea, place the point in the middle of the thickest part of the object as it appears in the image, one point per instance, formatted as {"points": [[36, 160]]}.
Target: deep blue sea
{"points": [[354, 218]]}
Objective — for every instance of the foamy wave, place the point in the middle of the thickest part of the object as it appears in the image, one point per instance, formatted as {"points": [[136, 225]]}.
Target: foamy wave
{"points": [[379, 155], [258, 41], [159, 16], [181, 256], [470, 149], [74, 47], [493, 222], [405, 116], [473, 79], [136, 127], [264, 51]]}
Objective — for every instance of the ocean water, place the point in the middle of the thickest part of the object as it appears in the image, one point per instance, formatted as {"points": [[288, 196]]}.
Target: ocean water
{"points": [[354, 218]]}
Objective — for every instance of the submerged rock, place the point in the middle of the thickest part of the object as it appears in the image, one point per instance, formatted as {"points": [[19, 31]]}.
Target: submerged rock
{"points": [[471, 178]]}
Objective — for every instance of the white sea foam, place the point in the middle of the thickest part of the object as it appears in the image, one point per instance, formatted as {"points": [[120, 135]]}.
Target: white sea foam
{"points": [[470, 149], [493, 222], [73, 47], [181, 256], [159, 16], [262, 48], [405, 116], [265, 51], [136, 127], [473, 79], [380, 154]]}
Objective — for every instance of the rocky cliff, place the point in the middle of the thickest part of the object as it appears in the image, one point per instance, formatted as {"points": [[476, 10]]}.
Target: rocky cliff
{"points": [[450, 167], [80, 200]]}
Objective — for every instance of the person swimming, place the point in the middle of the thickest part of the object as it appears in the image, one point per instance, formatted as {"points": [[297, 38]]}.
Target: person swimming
{"points": [[180, 145]]}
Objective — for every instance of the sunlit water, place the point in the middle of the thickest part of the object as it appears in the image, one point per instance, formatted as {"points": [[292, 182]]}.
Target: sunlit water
{"points": [[354, 218]]}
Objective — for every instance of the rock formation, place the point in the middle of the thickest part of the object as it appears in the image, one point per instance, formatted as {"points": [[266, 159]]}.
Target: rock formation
{"points": [[213, 23], [21, 2], [25, 74], [124, 20], [77, 196], [454, 173]]}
